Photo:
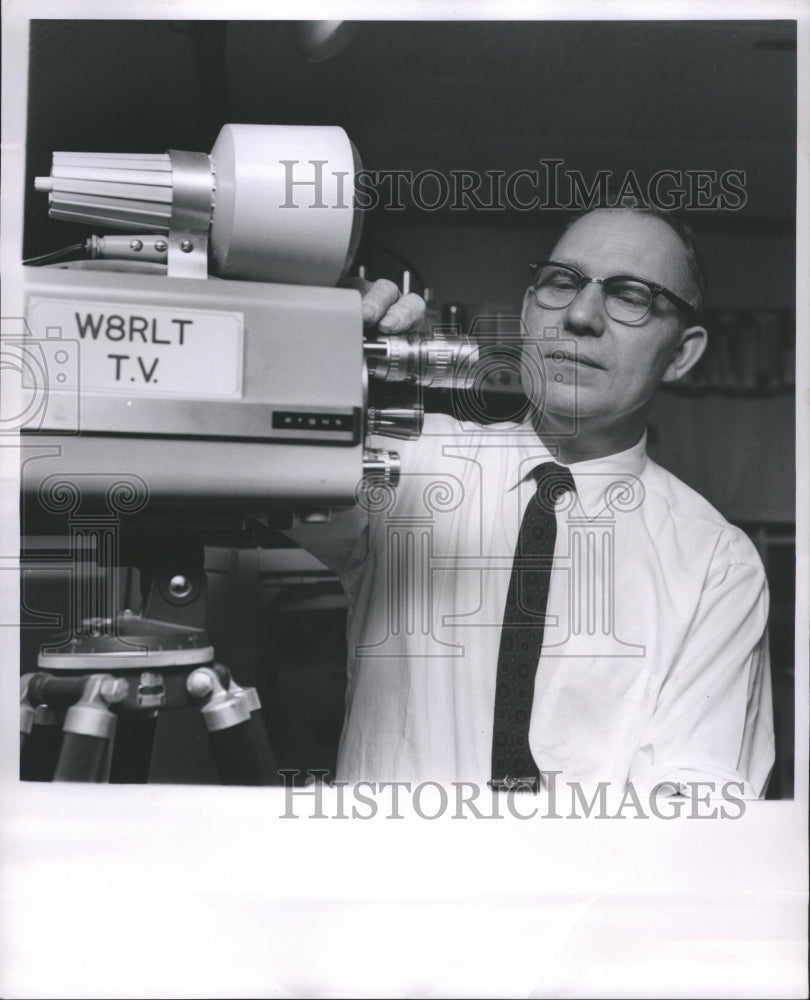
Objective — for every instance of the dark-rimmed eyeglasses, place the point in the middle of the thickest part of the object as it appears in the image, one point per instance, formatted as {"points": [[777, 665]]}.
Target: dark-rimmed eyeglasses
{"points": [[627, 299]]}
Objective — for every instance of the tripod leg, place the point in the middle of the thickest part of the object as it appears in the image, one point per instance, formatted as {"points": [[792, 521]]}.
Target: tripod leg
{"points": [[40, 752], [132, 752], [241, 750], [243, 754], [260, 749], [26, 713], [89, 731], [83, 758]]}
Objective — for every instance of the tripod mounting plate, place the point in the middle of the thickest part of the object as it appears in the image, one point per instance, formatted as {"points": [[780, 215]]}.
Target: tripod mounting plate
{"points": [[127, 643]]}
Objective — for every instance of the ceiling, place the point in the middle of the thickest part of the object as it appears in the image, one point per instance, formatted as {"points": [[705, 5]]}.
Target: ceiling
{"points": [[442, 95]]}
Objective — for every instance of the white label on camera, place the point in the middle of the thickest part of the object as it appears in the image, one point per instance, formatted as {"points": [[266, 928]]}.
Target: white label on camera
{"points": [[148, 350]]}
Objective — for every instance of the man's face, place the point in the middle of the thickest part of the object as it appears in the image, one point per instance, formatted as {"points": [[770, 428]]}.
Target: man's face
{"points": [[614, 369]]}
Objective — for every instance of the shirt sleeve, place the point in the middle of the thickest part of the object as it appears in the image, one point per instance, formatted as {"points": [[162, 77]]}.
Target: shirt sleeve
{"points": [[339, 543], [713, 720], [342, 542]]}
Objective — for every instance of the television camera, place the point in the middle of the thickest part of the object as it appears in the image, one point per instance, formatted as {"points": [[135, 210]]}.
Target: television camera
{"points": [[196, 377]]}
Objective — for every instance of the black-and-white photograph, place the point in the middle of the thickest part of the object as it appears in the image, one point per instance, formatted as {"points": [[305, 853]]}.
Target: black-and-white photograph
{"points": [[399, 450]]}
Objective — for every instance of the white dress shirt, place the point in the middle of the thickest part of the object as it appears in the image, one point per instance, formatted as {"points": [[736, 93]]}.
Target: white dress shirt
{"points": [[655, 660]]}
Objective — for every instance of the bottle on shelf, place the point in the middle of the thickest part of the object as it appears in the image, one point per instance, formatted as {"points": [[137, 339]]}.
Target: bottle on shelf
{"points": [[455, 315], [433, 317]]}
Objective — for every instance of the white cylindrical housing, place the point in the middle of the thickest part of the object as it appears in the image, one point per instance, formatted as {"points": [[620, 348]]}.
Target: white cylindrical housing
{"points": [[284, 203], [283, 199]]}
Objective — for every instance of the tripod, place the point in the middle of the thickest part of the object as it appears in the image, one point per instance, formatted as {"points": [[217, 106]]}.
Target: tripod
{"points": [[90, 711], [92, 715]]}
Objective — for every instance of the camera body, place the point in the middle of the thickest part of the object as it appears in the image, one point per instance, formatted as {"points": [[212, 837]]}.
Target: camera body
{"points": [[225, 394]]}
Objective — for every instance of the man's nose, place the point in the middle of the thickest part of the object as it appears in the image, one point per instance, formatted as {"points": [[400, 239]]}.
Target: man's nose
{"points": [[586, 314]]}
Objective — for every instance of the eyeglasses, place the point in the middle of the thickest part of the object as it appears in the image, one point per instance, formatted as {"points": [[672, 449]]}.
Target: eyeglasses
{"points": [[627, 299]]}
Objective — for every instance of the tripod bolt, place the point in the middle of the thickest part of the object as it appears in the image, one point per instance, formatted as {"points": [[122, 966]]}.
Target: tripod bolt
{"points": [[200, 684], [180, 586], [113, 690], [223, 709]]}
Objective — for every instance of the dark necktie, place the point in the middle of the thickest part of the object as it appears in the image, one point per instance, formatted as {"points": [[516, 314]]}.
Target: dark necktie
{"points": [[522, 633]]}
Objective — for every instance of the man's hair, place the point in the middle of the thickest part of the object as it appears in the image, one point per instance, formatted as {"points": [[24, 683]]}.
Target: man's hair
{"points": [[694, 257]]}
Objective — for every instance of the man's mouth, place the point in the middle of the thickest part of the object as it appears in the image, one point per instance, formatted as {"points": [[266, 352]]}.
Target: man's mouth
{"points": [[559, 357]]}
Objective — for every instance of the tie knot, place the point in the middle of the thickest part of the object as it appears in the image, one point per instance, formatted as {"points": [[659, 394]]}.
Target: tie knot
{"points": [[553, 481]]}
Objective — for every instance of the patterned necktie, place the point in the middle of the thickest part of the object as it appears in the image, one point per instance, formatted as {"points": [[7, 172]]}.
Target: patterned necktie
{"points": [[522, 632]]}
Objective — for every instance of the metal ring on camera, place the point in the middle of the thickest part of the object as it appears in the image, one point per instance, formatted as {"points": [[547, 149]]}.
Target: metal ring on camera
{"points": [[192, 205]]}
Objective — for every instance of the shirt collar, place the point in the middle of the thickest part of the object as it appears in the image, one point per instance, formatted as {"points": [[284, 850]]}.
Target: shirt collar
{"points": [[602, 483]]}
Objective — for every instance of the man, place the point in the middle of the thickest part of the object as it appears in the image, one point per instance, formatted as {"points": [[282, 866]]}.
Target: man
{"points": [[654, 663]]}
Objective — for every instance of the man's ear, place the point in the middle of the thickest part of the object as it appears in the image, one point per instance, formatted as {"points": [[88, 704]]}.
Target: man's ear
{"points": [[525, 304], [693, 341]]}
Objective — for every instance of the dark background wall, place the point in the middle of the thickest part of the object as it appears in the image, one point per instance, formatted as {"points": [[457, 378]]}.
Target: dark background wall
{"points": [[444, 96], [477, 96]]}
